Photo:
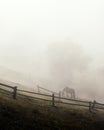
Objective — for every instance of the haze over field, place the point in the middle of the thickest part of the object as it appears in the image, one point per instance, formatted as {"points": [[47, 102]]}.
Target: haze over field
{"points": [[54, 43]]}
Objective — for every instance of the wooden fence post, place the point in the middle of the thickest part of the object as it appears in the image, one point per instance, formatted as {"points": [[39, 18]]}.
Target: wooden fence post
{"points": [[53, 100], [94, 102], [15, 92], [90, 106]]}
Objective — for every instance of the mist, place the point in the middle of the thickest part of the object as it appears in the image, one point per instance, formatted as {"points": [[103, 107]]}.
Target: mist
{"points": [[70, 66], [53, 44]]}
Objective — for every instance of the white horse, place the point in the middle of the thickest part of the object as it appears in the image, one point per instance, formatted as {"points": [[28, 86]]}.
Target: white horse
{"points": [[68, 92]]}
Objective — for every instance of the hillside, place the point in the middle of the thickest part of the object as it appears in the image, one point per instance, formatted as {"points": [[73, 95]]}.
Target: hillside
{"points": [[22, 114], [7, 74]]}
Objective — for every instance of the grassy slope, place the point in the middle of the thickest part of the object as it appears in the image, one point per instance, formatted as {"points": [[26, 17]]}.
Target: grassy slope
{"points": [[25, 114]]}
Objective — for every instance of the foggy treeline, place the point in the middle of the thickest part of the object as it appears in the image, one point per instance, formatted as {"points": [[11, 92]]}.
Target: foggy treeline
{"points": [[71, 66], [62, 64]]}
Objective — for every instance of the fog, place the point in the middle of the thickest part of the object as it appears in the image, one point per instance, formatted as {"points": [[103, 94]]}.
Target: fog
{"points": [[54, 44]]}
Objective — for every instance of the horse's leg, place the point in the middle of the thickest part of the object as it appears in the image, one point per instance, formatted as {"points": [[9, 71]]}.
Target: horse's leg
{"points": [[66, 94], [62, 93]]}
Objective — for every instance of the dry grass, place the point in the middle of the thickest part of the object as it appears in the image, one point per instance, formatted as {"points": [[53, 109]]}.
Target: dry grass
{"points": [[38, 114]]}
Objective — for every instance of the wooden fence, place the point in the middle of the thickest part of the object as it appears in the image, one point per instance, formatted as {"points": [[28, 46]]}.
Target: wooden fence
{"points": [[14, 89], [44, 89], [51, 98]]}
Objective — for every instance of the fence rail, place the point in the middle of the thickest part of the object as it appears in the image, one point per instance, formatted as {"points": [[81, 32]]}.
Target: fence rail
{"points": [[51, 98], [5, 85], [39, 87], [11, 87], [19, 90]]}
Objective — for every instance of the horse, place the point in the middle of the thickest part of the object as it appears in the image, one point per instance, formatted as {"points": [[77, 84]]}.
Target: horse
{"points": [[68, 92]]}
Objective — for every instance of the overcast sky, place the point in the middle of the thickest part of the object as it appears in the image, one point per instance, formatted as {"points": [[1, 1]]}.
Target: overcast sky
{"points": [[29, 27]]}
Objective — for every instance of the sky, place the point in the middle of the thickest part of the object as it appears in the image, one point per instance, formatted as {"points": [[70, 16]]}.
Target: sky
{"points": [[29, 27]]}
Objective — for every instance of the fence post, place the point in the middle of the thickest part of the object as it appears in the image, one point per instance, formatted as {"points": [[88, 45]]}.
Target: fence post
{"points": [[90, 106], [94, 102], [53, 100], [15, 92]]}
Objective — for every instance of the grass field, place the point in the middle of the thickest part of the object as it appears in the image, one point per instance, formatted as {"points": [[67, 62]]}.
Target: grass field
{"points": [[24, 113]]}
